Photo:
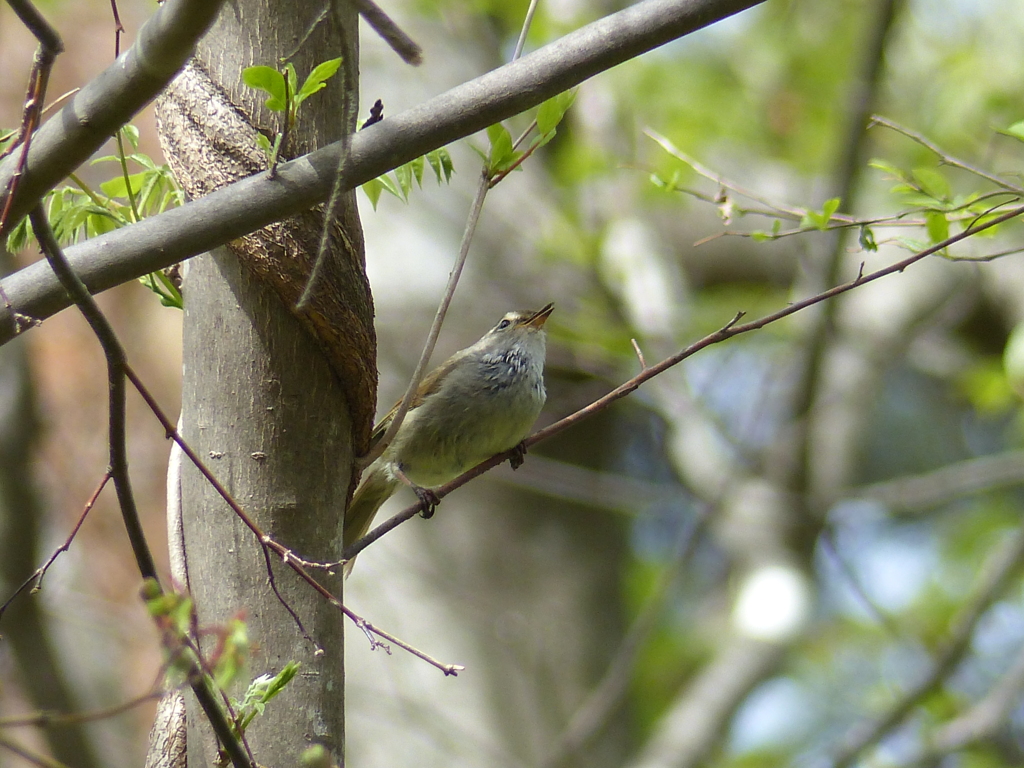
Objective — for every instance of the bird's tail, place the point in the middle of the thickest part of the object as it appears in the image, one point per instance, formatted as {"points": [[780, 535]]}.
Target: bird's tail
{"points": [[376, 488]]}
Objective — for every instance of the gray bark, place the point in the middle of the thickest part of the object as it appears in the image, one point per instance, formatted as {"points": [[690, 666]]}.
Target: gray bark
{"points": [[274, 402], [262, 407]]}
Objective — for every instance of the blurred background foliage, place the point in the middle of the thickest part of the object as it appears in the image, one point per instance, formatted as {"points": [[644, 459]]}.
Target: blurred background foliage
{"points": [[764, 551]]}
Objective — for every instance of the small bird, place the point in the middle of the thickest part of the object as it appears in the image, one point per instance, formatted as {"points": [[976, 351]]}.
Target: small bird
{"points": [[481, 401]]}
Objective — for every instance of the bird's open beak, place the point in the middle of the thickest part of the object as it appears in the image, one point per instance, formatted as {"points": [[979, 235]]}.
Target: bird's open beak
{"points": [[537, 319]]}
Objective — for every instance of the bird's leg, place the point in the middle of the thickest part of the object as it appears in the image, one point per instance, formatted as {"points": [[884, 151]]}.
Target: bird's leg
{"points": [[426, 496], [518, 455]]}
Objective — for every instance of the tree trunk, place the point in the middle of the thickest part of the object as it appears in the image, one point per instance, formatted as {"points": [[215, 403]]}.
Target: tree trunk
{"points": [[275, 401]]}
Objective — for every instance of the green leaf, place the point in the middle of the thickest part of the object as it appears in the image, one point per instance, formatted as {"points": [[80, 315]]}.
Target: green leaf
{"points": [[416, 166], [442, 164], [234, 650], [867, 239], [830, 207], [264, 143], [293, 80], [1015, 131], [932, 183], [101, 223], [403, 174], [937, 226], [145, 161], [116, 187], [886, 167], [501, 153], [20, 236], [540, 141], [270, 81], [317, 79], [131, 133], [919, 199], [553, 110], [373, 189], [821, 219], [262, 690], [390, 186]]}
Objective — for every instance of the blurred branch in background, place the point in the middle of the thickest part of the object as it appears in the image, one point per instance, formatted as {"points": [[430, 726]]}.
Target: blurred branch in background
{"points": [[1003, 564], [925, 492], [22, 519]]}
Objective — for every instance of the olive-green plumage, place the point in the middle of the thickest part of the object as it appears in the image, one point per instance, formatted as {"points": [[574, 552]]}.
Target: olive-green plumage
{"points": [[481, 401]]}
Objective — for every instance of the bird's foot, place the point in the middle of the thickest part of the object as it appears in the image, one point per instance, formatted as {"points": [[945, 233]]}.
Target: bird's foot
{"points": [[518, 455], [428, 499]]}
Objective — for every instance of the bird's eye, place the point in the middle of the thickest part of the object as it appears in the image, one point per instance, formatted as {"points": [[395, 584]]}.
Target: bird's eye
{"points": [[504, 324]]}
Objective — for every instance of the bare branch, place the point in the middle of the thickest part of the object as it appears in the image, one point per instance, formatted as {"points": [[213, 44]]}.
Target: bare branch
{"points": [[390, 32], [268, 544], [42, 719], [68, 139], [30, 756], [918, 493], [247, 205], [116, 364], [50, 45]]}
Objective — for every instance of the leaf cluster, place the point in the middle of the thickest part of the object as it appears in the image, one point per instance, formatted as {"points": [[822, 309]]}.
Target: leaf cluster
{"points": [[80, 212]]}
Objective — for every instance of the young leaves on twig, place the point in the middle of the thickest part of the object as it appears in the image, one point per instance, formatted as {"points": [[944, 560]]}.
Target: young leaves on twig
{"points": [[400, 181], [504, 155], [285, 95], [80, 212]]}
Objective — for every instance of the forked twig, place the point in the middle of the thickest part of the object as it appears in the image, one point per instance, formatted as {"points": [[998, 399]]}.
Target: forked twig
{"points": [[448, 669]]}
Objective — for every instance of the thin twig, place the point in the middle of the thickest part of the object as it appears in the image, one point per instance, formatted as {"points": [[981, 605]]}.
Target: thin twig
{"points": [[184, 650], [349, 122], [527, 23], [453, 281], [944, 156], [50, 46], [728, 331], [639, 354], [118, 28], [32, 757], [280, 598], [435, 327], [116, 365], [831, 550], [708, 173], [46, 719], [40, 572], [391, 33], [451, 670], [916, 493], [983, 719]]}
